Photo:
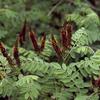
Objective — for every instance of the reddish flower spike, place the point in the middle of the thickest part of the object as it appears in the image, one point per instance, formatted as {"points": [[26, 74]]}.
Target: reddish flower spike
{"points": [[22, 34], [43, 40], [3, 50], [33, 38], [96, 82], [16, 53], [69, 30], [66, 34], [5, 54], [56, 48]]}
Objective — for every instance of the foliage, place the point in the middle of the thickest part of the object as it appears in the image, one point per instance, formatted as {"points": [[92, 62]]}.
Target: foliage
{"points": [[40, 15], [66, 68], [40, 78]]}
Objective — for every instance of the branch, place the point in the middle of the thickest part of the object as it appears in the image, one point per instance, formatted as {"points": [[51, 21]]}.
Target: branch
{"points": [[93, 7], [55, 7]]}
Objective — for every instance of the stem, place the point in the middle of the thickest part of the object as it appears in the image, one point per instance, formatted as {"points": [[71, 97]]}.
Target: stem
{"points": [[68, 56], [55, 7], [89, 98], [93, 7]]}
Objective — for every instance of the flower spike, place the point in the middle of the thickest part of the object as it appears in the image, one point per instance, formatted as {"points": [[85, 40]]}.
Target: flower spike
{"points": [[22, 34], [33, 38], [56, 48], [43, 40], [5, 54], [16, 53], [66, 34]]}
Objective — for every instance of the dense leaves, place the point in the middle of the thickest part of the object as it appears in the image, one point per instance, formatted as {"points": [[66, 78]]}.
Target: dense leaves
{"points": [[41, 65]]}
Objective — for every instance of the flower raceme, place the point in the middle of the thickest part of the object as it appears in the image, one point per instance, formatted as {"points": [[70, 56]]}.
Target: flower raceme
{"points": [[33, 38], [16, 52], [66, 34], [56, 47], [22, 34], [96, 82], [43, 40], [6, 55]]}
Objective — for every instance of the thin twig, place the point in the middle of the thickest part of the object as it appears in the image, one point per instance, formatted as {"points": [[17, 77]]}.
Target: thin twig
{"points": [[93, 7], [55, 7]]}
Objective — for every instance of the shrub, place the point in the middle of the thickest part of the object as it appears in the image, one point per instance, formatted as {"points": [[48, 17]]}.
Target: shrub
{"points": [[64, 71]]}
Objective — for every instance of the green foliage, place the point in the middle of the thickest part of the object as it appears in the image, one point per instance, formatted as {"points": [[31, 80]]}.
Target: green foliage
{"points": [[88, 24], [41, 76]]}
